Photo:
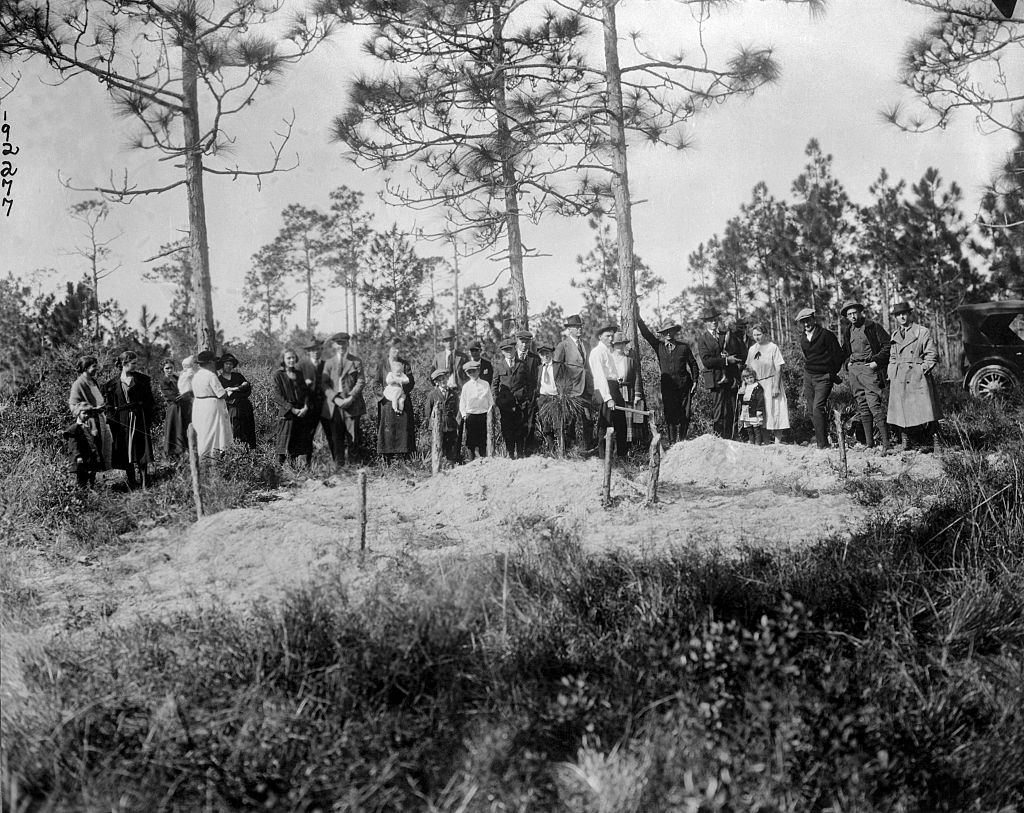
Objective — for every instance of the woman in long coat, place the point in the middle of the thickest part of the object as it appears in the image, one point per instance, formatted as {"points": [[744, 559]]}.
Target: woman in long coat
{"points": [[209, 411], [765, 358], [912, 357], [291, 397], [396, 431], [177, 391], [238, 388], [131, 410], [86, 403]]}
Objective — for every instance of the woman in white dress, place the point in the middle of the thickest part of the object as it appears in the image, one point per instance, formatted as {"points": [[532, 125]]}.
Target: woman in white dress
{"points": [[209, 409], [765, 359]]}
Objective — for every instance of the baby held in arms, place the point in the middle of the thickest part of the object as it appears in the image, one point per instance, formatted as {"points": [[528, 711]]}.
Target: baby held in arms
{"points": [[394, 382]]}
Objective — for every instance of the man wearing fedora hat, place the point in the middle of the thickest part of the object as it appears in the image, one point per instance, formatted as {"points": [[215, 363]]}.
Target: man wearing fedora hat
{"points": [[720, 373], [450, 359], [574, 380], [678, 376], [865, 346], [823, 358], [343, 382], [912, 398]]}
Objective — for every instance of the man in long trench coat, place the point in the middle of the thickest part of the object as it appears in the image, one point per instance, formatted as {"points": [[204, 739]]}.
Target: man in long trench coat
{"points": [[912, 397]]}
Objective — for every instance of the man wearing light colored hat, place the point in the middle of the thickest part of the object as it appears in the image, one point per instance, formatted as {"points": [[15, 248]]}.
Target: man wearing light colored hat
{"points": [[865, 346], [678, 376], [574, 380], [823, 358]]}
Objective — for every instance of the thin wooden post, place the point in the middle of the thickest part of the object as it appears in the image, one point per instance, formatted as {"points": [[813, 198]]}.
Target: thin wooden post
{"points": [[490, 432], [561, 430], [435, 439], [842, 442], [609, 440], [361, 494], [655, 471], [193, 464]]}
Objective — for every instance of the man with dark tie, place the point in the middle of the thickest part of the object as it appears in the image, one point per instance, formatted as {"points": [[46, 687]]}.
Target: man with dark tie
{"points": [[485, 370], [450, 359], [573, 379], [721, 373]]}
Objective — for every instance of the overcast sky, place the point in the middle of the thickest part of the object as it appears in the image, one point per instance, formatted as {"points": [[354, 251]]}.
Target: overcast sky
{"points": [[838, 73]]}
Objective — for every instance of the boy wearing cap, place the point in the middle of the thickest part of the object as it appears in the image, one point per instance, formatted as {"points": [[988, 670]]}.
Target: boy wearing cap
{"points": [[823, 358], [679, 373], [446, 400], [607, 392], [865, 346], [343, 381], [475, 401]]}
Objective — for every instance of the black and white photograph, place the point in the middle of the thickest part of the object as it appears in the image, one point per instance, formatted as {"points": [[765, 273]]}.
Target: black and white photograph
{"points": [[584, 406]]}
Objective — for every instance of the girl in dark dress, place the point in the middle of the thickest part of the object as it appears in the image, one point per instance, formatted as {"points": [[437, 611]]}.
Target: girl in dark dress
{"points": [[130, 413], [291, 397], [238, 388], [178, 413], [396, 431]]}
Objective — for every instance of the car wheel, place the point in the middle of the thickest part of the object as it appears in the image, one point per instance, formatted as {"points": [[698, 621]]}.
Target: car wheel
{"points": [[991, 380]]}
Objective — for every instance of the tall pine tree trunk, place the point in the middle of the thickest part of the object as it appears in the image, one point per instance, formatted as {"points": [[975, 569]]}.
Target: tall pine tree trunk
{"points": [[199, 251], [620, 185], [517, 281]]}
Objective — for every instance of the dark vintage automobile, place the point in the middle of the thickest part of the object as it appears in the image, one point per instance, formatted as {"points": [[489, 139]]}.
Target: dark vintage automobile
{"points": [[993, 334]]}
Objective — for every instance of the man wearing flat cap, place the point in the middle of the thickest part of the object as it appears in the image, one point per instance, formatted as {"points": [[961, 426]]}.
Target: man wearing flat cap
{"points": [[720, 373], [608, 392], [485, 369], [823, 358], [574, 380], [515, 393], [450, 359], [343, 382], [678, 376], [865, 346], [912, 398]]}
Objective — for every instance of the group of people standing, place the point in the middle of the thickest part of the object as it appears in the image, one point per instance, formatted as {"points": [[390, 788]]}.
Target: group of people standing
{"points": [[552, 394], [113, 421]]}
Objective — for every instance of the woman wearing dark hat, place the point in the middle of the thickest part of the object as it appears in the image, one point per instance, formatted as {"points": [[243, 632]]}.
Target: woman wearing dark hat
{"points": [[290, 395], [238, 389], [912, 398], [130, 411], [396, 431], [209, 410]]}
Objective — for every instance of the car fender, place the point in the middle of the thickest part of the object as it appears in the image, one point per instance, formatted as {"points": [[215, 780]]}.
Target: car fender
{"points": [[1002, 361]]}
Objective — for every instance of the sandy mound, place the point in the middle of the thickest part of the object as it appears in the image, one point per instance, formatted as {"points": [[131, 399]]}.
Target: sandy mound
{"points": [[715, 495]]}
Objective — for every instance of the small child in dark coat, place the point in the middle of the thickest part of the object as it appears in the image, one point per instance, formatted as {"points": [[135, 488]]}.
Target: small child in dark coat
{"points": [[447, 401], [751, 413], [84, 456]]}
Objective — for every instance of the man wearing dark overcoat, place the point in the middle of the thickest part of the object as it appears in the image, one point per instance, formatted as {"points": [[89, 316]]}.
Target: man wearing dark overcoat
{"points": [[527, 374], [515, 391], [678, 376], [720, 373], [573, 380], [865, 346], [823, 358], [343, 383]]}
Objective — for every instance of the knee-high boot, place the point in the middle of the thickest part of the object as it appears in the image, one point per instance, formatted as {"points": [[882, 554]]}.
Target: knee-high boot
{"points": [[868, 425], [883, 430]]}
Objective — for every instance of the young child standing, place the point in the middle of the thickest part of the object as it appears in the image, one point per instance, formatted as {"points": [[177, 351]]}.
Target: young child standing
{"points": [[447, 401], [752, 410], [394, 382], [475, 402]]}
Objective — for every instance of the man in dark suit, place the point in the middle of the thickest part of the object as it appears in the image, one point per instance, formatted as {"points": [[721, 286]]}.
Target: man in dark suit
{"points": [[450, 359], [515, 391], [343, 382], [720, 373], [573, 379], [678, 376], [312, 368]]}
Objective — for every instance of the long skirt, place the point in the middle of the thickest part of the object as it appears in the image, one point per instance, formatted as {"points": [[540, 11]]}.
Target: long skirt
{"points": [[176, 421], [293, 437], [243, 422], [396, 433], [213, 427]]}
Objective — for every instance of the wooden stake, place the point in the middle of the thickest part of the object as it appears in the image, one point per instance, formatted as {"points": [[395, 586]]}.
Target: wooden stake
{"points": [[609, 440], [193, 464], [490, 432], [842, 442], [435, 439], [561, 431], [361, 493], [655, 472]]}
